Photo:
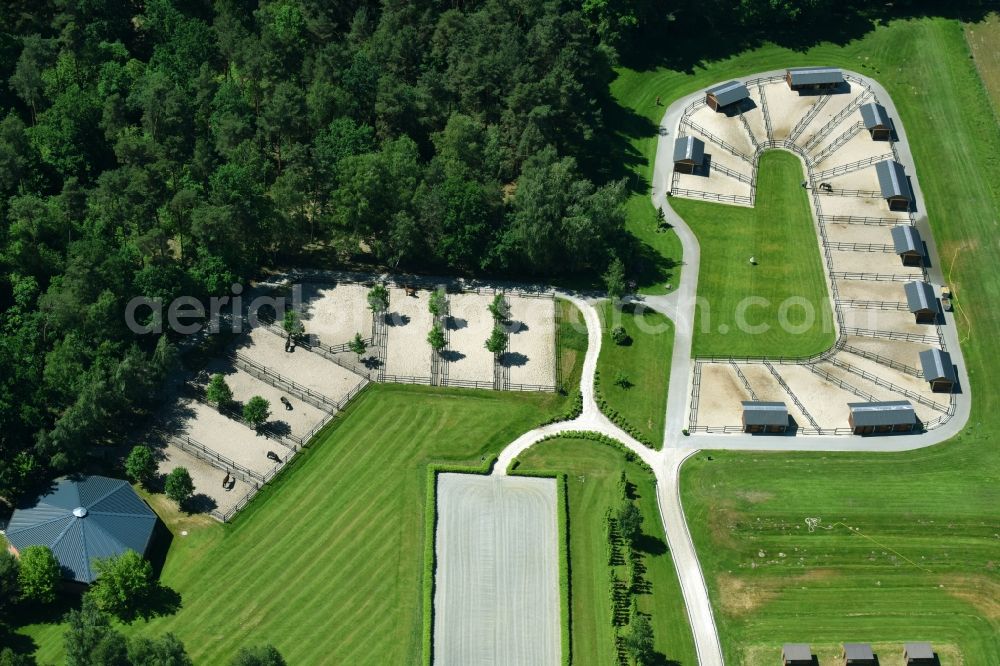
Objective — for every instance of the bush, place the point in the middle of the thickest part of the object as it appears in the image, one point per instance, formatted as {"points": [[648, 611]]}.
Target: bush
{"points": [[622, 380], [125, 585], [179, 487], [140, 465], [261, 655], [218, 390], [256, 411], [619, 335], [8, 582], [38, 575]]}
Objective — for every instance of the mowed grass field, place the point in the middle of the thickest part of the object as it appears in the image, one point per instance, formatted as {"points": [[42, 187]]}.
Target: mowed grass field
{"points": [[327, 563], [781, 305], [593, 470], [920, 556], [644, 361]]}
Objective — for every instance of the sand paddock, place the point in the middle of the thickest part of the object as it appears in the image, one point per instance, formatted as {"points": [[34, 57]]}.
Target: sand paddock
{"points": [[786, 107], [496, 597], [208, 491], [729, 129], [900, 352], [335, 313], [716, 183], [408, 354], [767, 388], [469, 326], [837, 232], [530, 354], [825, 401], [720, 396], [860, 207], [301, 365], [887, 320], [833, 106], [863, 179], [299, 420], [861, 146], [897, 378], [872, 262], [225, 435], [871, 290]]}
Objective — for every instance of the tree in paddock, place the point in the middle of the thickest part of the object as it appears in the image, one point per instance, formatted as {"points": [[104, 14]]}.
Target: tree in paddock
{"points": [[125, 585], [218, 391], [358, 345], [497, 342], [140, 465], [498, 308], [435, 337], [437, 302], [179, 487], [292, 324], [261, 655], [38, 574], [256, 411], [378, 299]]}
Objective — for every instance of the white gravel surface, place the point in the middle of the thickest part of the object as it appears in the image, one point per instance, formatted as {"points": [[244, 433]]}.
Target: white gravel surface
{"points": [[335, 313], [531, 352], [408, 353], [207, 479], [469, 326], [301, 365], [496, 598], [226, 436]]}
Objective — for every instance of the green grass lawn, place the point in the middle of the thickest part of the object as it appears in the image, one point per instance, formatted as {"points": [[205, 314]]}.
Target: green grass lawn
{"points": [[644, 361], [781, 305], [327, 562], [926, 561], [593, 470]]}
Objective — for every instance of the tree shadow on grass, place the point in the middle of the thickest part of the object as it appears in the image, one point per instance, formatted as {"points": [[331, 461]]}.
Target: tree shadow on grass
{"points": [[650, 545]]}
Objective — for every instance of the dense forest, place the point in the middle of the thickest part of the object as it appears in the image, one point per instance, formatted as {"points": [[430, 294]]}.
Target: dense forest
{"points": [[168, 147]]}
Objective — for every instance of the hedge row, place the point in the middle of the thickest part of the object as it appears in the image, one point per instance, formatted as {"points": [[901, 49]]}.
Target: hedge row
{"points": [[616, 417], [573, 409]]}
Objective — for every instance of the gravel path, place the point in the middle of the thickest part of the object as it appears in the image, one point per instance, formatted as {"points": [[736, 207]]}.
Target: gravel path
{"points": [[496, 596]]}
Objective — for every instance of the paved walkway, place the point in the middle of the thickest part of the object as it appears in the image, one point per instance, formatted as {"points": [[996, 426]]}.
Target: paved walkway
{"points": [[666, 463]]}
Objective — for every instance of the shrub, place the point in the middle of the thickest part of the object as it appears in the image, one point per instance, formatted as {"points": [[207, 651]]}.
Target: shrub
{"points": [[378, 298], [261, 655], [619, 335], [218, 390], [622, 380], [256, 411], [125, 585], [140, 465], [179, 487]]}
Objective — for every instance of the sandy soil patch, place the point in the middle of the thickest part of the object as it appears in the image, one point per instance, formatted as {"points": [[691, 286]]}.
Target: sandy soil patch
{"points": [[825, 401], [335, 313], [870, 290], [301, 365], [901, 379], [859, 147], [531, 350], [225, 436], [859, 233], [409, 321], [900, 352], [833, 106], [872, 262], [786, 107], [767, 389], [469, 326], [860, 207], [741, 596], [720, 396], [496, 597], [298, 421], [208, 491], [728, 128]]}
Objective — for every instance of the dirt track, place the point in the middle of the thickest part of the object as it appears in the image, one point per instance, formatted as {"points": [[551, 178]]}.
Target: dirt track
{"points": [[497, 581]]}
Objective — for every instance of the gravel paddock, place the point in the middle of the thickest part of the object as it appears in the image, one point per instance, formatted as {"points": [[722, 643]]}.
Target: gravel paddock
{"points": [[468, 328], [727, 128], [208, 491], [531, 352], [720, 396], [826, 402], [408, 354], [226, 436], [335, 313], [767, 388], [496, 599]]}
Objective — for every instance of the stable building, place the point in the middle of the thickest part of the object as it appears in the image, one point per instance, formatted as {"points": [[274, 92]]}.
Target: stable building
{"points": [[938, 369], [726, 95], [894, 185], [859, 654], [760, 416], [83, 519], [867, 418], [814, 78], [919, 654], [908, 245], [921, 302], [876, 121], [796, 654], [689, 154]]}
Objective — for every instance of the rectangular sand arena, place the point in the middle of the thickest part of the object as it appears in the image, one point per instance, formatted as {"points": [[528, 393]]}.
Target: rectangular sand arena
{"points": [[720, 396], [860, 207], [859, 147], [496, 599], [469, 326], [838, 232], [897, 378], [870, 290], [786, 107], [833, 106], [225, 436], [336, 312], [208, 491], [900, 352], [728, 128], [825, 401], [408, 354], [767, 388], [301, 365], [299, 420], [531, 352]]}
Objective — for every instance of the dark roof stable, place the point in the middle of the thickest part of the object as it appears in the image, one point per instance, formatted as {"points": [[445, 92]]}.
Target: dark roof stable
{"points": [[797, 651], [811, 76], [874, 116], [689, 148], [906, 238], [729, 93], [83, 519], [892, 412], [936, 365], [892, 180], [858, 651], [919, 650], [920, 297], [758, 412]]}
